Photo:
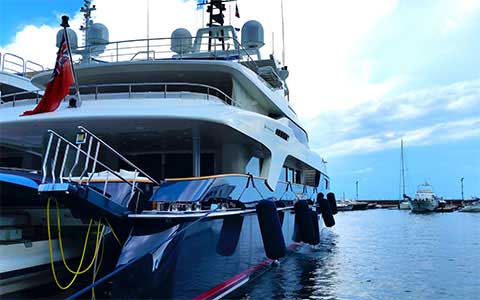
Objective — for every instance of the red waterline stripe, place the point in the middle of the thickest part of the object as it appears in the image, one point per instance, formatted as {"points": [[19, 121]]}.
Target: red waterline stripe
{"points": [[223, 287]]}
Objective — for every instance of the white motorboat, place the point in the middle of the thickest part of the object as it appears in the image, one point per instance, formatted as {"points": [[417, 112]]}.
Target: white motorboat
{"points": [[425, 199], [472, 207]]}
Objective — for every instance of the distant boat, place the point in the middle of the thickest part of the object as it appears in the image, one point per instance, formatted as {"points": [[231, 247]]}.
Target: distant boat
{"points": [[403, 204], [425, 199], [473, 207], [344, 206]]}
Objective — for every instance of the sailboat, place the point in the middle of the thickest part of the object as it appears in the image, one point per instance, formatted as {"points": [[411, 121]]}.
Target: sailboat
{"points": [[403, 204]]}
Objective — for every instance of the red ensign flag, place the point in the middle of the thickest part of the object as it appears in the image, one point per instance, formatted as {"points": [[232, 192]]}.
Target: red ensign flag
{"points": [[59, 84]]}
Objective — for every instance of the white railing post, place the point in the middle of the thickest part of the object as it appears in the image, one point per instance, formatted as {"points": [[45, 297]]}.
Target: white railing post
{"points": [[54, 162], [94, 166], [87, 158], [45, 158], [77, 157], [63, 162]]}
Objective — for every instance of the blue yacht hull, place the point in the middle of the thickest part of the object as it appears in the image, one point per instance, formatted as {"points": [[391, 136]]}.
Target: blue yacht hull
{"points": [[202, 262]]}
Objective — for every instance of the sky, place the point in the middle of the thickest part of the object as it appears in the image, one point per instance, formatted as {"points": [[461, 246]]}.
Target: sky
{"points": [[363, 76]]}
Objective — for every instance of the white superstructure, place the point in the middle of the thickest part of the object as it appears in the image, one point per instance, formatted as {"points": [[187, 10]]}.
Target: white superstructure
{"points": [[179, 107]]}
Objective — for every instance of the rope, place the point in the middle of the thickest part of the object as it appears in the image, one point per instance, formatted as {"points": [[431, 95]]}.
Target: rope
{"points": [[50, 247], [96, 268], [289, 184], [60, 243], [250, 179], [113, 232]]}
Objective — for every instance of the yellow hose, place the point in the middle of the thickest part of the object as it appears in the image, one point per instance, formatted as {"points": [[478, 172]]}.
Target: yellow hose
{"points": [[60, 243], [76, 273], [113, 232]]}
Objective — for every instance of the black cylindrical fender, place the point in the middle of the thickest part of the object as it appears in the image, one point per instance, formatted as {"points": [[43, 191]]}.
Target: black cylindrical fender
{"points": [[332, 202], [303, 222], [326, 211], [316, 228], [271, 229]]}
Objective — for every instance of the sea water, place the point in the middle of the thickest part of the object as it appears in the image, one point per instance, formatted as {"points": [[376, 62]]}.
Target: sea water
{"points": [[382, 254]]}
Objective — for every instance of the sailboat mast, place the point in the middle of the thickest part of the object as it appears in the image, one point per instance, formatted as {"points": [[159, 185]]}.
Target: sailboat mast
{"points": [[403, 169]]}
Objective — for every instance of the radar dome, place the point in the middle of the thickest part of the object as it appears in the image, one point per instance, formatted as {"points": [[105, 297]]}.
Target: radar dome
{"points": [[72, 38], [252, 35], [97, 34], [181, 41]]}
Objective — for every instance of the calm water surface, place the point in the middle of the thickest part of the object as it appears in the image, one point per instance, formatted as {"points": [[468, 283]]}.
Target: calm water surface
{"points": [[382, 254]]}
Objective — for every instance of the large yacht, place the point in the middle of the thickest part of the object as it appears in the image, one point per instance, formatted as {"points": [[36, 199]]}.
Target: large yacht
{"points": [[184, 151]]}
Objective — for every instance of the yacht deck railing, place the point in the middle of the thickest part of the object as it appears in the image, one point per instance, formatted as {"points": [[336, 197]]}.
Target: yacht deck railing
{"points": [[160, 48], [12, 63], [59, 172], [162, 88]]}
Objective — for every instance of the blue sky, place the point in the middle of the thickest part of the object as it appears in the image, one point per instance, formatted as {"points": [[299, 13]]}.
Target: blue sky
{"points": [[16, 14], [364, 75]]}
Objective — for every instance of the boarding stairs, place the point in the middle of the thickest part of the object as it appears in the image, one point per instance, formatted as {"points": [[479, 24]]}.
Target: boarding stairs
{"points": [[71, 168]]}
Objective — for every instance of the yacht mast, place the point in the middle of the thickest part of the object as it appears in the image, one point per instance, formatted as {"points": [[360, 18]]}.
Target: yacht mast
{"points": [[215, 9], [403, 169]]}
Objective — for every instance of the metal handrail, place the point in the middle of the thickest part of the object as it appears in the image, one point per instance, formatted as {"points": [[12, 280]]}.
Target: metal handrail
{"points": [[114, 50], [23, 65], [12, 62], [130, 85], [14, 95], [78, 148], [32, 63], [165, 84], [118, 154]]}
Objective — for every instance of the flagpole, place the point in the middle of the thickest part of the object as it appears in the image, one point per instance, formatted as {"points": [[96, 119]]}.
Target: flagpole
{"points": [[283, 34], [65, 25]]}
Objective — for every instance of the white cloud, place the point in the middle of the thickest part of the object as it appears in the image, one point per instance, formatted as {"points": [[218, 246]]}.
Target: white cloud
{"points": [[425, 136], [422, 117]]}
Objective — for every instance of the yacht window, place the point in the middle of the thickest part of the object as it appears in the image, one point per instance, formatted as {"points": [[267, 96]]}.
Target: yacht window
{"points": [[298, 176], [291, 175], [253, 166], [299, 133], [283, 174]]}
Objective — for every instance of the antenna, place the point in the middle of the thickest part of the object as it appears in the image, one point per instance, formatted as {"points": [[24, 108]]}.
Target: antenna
{"points": [[283, 34], [273, 43], [215, 8], [148, 29], [148, 19], [87, 9]]}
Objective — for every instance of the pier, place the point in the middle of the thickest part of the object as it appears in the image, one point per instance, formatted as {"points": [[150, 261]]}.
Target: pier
{"points": [[450, 205]]}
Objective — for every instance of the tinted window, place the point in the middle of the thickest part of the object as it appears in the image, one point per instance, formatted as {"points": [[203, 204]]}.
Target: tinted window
{"points": [[299, 133]]}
